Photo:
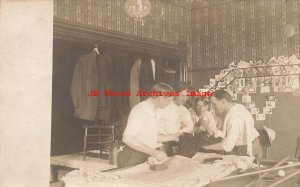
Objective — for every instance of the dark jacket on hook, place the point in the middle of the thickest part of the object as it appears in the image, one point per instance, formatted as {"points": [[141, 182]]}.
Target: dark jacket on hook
{"points": [[105, 74]]}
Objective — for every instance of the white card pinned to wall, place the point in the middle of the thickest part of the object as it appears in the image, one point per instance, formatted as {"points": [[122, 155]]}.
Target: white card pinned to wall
{"points": [[212, 82], [260, 117], [254, 111], [265, 89], [271, 104], [267, 110], [250, 105], [234, 96], [246, 98]]}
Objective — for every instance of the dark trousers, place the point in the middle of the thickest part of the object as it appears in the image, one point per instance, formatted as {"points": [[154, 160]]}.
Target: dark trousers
{"points": [[242, 150], [130, 157], [189, 145]]}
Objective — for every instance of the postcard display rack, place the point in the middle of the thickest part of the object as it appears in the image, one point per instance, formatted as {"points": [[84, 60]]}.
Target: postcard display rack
{"points": [[260, 85]]}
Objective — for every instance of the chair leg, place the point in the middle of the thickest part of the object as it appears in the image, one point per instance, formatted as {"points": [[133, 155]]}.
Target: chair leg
{"points": [[85, 142], [100, 146], [113, 133]]}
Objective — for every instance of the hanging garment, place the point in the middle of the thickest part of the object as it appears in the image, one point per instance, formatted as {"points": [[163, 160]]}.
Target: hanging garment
{"points": [[158, 69], [135, 83], [84, 80], [146, 76], [105, 74], [120, 83], [169, 75]]}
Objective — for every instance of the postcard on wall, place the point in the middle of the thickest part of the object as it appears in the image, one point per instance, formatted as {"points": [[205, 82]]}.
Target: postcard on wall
{"points": [[267, 110], [275, 89], [271, 104], [234, 96], [296, 92], [295, 82], [265, 89], [250, 105], [246, 98], [260, 117], [254, 110], [271, 98], [276, 70], [252, 89], [212, 82], [242, 82]]}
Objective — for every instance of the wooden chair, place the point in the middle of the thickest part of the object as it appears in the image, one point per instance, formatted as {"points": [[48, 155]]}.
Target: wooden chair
{"points": [[297, 153], [101, 134]]}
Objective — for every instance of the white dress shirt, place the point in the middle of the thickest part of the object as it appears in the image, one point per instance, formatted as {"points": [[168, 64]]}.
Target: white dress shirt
{"points": [[142, 123], [239, 129], [174, 118]]}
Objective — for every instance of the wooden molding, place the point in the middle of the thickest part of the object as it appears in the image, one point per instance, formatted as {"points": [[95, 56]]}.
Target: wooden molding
{"points": [[87, 34], [207, 69]]}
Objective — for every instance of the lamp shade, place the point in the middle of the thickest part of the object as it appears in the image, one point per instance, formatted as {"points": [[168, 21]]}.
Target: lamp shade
{"points": [[137, 8]]}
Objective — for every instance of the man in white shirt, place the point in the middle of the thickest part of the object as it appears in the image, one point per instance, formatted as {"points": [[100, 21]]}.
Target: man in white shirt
{"points": [[240, 135], [140, 135], [204, 120], [205, 130], [175, 118]]}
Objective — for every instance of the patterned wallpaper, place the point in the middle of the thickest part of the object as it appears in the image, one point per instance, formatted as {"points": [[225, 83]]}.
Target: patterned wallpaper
{"points": [[173, 26], [243, 30]]}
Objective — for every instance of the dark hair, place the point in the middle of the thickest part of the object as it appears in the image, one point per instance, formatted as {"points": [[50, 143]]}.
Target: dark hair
{"points": [[161, 87], [204, 100], [222, 94], [180, 86]]}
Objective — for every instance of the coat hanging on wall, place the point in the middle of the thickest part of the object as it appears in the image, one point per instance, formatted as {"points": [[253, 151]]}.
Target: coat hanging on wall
{"points": [[84, 80]]}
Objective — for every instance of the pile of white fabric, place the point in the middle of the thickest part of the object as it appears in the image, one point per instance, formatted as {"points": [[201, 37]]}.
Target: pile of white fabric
{"points": [[181, 171]]}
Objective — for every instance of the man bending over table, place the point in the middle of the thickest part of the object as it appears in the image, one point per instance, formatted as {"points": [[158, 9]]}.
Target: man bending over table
{"points": [[141, 135]]}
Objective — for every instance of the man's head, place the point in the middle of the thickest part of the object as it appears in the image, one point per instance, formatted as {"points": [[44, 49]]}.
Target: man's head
{"points": [[182, 88], [221, 100], [162, 101], [201, 105]]}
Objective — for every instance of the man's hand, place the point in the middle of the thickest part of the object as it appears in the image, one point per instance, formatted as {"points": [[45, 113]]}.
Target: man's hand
{"points": [[159, 155]]}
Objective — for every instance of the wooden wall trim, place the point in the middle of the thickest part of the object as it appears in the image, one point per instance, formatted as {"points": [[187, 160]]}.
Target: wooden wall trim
{"points": [[207, 69], [86, 34]]}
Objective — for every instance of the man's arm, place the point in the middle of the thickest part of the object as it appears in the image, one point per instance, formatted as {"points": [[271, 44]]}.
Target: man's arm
{"points": [[228, 143], [166, 138], [186, 122], [232, 133]]}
